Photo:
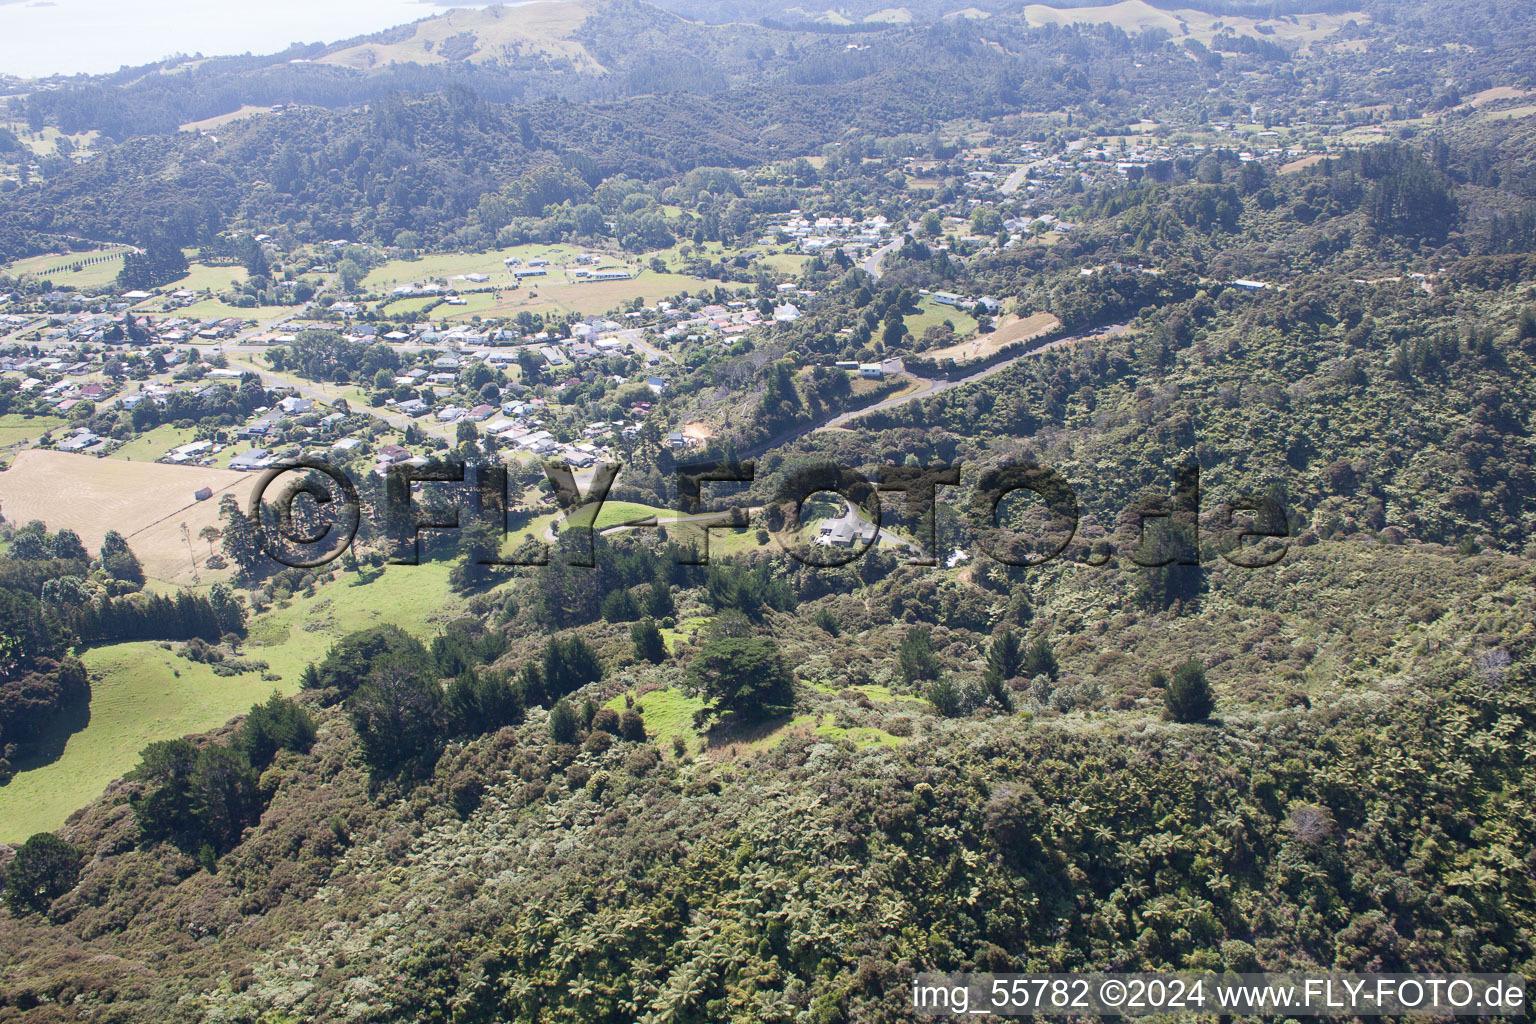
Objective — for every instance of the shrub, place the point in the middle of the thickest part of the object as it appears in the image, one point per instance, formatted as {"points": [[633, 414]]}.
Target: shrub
{"points": [[632, 727], [45, 868]]}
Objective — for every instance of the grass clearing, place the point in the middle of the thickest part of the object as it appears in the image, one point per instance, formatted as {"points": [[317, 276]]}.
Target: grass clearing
{"points": [[503, 295], [140, 693], [475, 304], [449, 265], [556, 294], [45, 141], [668, 713], [208, 124], [546, 30], [785, 262], [1010, 331], [202, 277], [409, 307], [152, 444], [931, 314], [685, 630], [1511, 114], [1135, 16]]}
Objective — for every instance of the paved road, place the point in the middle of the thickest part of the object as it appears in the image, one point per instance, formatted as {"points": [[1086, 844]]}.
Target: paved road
{"points": [[871, 263], [1017, 178]]}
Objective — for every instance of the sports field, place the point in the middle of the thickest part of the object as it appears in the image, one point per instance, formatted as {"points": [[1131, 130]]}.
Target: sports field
{"points": [[449, 265], [555, 295]]}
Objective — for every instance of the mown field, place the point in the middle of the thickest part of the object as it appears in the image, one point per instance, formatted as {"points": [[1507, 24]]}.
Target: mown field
{"points": [[1010, 330], [555, 295], [208, 124], [931, 314], [145, 501], [102, 268], [451, 264], [143, 692], [153, 443]]}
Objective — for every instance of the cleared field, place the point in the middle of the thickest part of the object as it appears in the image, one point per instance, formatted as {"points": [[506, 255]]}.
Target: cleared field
{"points": [[142, 693], [201, 276], [211, 308], [451, 264], [931, 314], [474, 305], [220, 120], [1511, 113], [1138, 16], [409, 307], [152, 444], [144, 501], [15, 428], [46, 140], [89, 269], [1010, 331], [668, 714], [553, 295], [787, 262], [616, 513], [1498, 92], [1303, 163], [497, 33]]}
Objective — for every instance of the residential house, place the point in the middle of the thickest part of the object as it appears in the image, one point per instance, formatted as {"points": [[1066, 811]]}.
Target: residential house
{"points": [[256, 458]]}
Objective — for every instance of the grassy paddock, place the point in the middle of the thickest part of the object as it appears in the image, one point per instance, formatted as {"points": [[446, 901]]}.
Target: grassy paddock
{"points": [[55, 267], [142, 692], [15, 428]]}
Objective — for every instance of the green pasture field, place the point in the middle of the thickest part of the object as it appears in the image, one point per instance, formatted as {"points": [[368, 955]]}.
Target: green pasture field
{"points": [[142, 692], [54, 267], [15, 428]]}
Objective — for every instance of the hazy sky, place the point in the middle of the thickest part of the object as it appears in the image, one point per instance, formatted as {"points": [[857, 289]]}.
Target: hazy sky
{"points": [[42, 37]]}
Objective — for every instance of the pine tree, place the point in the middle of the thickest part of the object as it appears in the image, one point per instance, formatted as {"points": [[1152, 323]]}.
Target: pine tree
{"points": [[1188, 697], [240, 544], [944, 696], [1003, 658], [563, 725], [916, 659], [649, 645], [1040, 660]]}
